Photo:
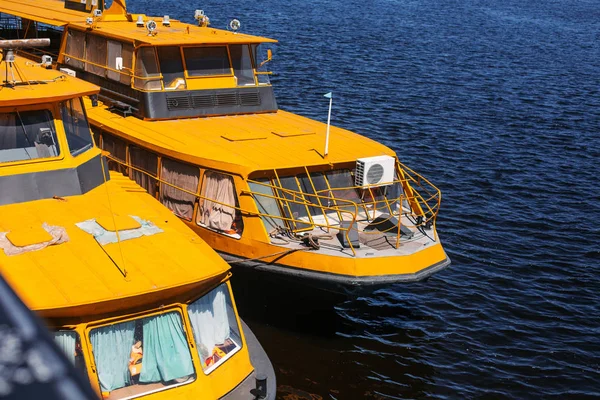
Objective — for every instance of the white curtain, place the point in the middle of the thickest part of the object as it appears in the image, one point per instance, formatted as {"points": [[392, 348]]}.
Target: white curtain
{"points": [[210, 323], [217, 188], [66, 342], [183, 176]]}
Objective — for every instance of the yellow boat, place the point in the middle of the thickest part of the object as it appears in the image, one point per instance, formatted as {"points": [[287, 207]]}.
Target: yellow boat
{"points": [[29, 340], [187, 111], [138, 302]]}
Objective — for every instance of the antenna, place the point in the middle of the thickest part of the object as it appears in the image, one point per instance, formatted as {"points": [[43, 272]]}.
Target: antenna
{"points": [[9, 56], [112, 214], [330, 97]]}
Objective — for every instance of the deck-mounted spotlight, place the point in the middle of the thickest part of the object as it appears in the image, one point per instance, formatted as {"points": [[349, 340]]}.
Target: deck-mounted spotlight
{"points": [[202, 18], [151, 27], [46, 61], [166, 21], [140, 21], [235, 25]]}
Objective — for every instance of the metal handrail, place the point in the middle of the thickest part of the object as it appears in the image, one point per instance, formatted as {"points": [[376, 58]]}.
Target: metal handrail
{"points": [[420, 206]]}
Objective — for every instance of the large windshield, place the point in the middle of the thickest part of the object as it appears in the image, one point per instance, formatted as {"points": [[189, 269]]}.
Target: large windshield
{"points": [[205, 61], [143, 355], [215, 328], [27, 135]]}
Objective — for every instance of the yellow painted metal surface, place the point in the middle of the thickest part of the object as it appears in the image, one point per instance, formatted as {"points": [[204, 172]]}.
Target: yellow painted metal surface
{"points": [[124, 27], [249, 145], [34, 88], [80, 272], [80, 284], [218, 142], [25, 235], [117, 222]]}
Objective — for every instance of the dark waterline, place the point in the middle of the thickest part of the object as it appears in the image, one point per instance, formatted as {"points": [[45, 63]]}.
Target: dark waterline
{"points": [[497, 103]]}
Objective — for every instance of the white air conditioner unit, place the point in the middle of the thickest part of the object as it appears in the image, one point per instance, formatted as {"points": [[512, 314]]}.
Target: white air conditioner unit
{"points": [[375, 171]]}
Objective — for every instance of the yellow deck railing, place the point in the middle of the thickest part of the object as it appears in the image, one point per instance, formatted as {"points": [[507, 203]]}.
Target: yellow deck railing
{"points": [[419, 200]]}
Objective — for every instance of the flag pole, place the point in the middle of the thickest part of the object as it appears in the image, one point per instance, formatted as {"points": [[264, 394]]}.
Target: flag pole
{"points": [[330, 97]]}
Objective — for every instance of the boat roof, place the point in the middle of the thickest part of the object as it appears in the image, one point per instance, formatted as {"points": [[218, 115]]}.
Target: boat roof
{"points": [[242, 144], [45, 85], [80, 272], [53, 12]]}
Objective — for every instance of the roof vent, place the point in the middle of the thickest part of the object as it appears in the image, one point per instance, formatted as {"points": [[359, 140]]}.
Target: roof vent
{"points": [[374, 171]]}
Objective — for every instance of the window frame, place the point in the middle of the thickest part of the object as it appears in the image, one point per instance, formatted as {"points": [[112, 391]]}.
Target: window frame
{"points": [[185, 64], [180, 309], [87, 147], [183, 67], [201, 198], [56, 116], [83, 367], [147, 78], [238, 324], [248, 52], [162, 181]]}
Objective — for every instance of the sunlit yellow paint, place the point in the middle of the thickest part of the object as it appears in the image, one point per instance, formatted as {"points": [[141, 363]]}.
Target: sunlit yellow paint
{"points": [[80, 284]]}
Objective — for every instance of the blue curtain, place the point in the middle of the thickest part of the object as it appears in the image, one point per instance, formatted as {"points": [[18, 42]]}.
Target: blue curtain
{"points": [[166, 352], [112, 348], [66, 342]]}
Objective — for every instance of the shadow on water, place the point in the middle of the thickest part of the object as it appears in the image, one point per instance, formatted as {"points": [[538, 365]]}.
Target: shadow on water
{"points": [[328, 346]]}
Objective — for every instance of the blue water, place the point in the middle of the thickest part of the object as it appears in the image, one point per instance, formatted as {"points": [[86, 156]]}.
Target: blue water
{"points": [[497, 102]]}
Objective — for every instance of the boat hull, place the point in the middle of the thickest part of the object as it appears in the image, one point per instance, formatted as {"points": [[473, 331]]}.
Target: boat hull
{"points": [[262, 369], [335, 283]]}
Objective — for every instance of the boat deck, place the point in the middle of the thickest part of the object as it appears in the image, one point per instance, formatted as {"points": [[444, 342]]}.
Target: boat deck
{"points": [[372, 243]]}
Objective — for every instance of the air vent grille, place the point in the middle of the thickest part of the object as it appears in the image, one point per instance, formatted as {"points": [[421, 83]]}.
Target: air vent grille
{"points": [[226, 99], [203, 101], [250, 98], [374, 174], [178, 102]]}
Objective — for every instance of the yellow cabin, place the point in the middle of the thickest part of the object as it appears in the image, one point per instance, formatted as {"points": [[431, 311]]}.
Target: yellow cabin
{"points": [[137, 301], [188, 113]]}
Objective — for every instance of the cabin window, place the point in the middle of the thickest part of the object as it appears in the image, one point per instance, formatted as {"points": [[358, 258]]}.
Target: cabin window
{"points": [[76, 126], [181, 176], [242, 64], [171, 68], [258, 52], [146, 162], [294, 208], [70, 344], [267, 205], [342, 184], [27, 135], [206, 61], [117, 149], [316, 192], [147, 76], [218, 204], [144, 355], [75, 49], [125, 51], [215, 328], [318, 196], [127, 55], [96, 49]]}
